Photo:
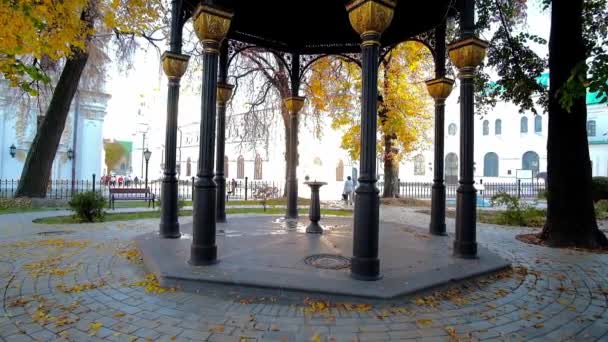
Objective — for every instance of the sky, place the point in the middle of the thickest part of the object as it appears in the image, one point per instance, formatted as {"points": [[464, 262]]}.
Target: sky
{"points": [[143, 89]]}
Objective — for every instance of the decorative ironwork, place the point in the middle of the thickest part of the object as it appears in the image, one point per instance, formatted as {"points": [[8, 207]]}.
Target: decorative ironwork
{"points": [[306, 61], [327, 261], [236, 46], [426, 38]]}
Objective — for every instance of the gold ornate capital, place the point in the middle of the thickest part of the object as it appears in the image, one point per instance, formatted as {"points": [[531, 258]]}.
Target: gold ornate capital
{"points": [[224, 91], [211, 25], [370, 15], [467, 52], [294, 103], [440, 88], [174, 64]]}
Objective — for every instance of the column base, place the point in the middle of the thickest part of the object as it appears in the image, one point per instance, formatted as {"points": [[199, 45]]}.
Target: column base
{"points": [[314, 228], [465, 250], [169, 230], [437, 229], [367, 269], [203, 255]]}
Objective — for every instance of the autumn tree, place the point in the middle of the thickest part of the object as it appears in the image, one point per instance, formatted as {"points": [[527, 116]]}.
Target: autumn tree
{"points": [[578, 63], [261, 82], [404, 107], [37, 34], [114, 151]]}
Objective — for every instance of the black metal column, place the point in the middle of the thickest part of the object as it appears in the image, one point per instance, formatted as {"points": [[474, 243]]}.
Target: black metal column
{"points": [[369, 18], [174, 64], [466, 53], [437, 225], [211, 28], [365, 264], [294, 105], [224, 91]]}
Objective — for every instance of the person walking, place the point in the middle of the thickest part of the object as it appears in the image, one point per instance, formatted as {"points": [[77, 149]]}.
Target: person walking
{"points": [[347, 193]]}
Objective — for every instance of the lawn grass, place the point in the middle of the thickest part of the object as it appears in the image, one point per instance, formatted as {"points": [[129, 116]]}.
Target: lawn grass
{"points": [[187, 203], [535, 219], [109, 217]]}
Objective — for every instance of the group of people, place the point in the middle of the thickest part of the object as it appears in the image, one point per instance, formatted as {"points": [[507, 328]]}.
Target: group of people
{"points": [[119, 180]]}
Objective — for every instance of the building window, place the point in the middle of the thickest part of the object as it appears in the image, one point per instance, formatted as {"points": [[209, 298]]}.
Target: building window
{"points": [[538, 124], [452, 129], [240, 168], [529, 161], [523, 125], [257, 174], [591, 128], [340, 171], [486, 127], [490, 165], [226, 165], [451, 168], [188, 167], [498, 127], [419, 165]]}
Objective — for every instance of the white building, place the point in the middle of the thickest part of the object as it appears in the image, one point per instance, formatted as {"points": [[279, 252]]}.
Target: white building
{"points": [[505, 142], [18, 124]]}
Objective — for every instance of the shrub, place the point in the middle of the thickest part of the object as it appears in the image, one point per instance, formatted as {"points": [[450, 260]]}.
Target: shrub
{"points": [[517, 212], [599, 188], [542, 194], [601, 209], [88, 206], [11, 203]]}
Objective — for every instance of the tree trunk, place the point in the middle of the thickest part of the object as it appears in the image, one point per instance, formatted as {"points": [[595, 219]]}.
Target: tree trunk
{"points": [[570, 213], [37, 169], [286, 159], [391, 169]]}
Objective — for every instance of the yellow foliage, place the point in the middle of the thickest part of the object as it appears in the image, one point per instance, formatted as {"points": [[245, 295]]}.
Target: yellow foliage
{"points": [[56, 29], [151, 284], [406, 109]]}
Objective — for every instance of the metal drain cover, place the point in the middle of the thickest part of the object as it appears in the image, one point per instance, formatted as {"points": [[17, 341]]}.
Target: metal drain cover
{"points": [[57, 232], [327, 261]]}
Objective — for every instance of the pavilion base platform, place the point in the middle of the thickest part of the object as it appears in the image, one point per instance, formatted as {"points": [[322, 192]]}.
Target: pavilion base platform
{"points": [[269, 252]]}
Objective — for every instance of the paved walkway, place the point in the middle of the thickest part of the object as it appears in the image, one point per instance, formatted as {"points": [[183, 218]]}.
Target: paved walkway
{"points": [[86, 283]]}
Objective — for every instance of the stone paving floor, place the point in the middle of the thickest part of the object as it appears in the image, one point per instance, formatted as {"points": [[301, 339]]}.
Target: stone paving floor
{"points": [[87, 283]]}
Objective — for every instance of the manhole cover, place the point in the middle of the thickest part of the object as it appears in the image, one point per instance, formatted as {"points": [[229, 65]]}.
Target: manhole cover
{"points": [[328, 261], [56, 232]]}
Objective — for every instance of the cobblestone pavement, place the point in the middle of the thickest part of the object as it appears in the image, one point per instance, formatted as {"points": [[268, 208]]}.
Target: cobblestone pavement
{"points": [[86, 283]]}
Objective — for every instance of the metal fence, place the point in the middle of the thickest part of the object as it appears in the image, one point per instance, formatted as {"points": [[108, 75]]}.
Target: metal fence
{"points": [[423, 190], [242, 189]]}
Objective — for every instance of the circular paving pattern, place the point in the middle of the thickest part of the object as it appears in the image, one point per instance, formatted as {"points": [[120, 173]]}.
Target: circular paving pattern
{"points": [[91, 286], [328, 261]]}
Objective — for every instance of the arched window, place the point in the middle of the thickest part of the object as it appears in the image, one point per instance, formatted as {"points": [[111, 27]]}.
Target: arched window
{"points": [[591, 128], [538, 124], [188, 167], [498, 127], [529, 161], [419, 165], [340, 171], [240, 167], [451, 168], [523, 125], [490, 165], [257, 174], [486, 127], [226, 165], [452, 129]]}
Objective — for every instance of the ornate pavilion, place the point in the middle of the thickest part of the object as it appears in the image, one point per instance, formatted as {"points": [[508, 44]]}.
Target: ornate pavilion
{"points": [[299, 33]]}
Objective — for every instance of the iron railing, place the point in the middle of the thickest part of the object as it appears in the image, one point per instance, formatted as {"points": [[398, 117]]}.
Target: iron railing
{"points": [[63, 189], [423, 190]]}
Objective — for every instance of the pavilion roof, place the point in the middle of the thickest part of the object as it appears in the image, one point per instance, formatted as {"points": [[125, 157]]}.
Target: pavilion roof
{"points": [[320, 26]]}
